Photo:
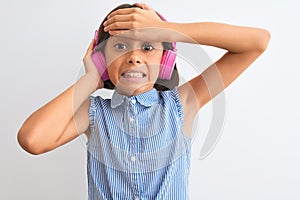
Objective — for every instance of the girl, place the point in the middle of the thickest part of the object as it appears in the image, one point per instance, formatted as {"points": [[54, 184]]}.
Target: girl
{"points": [[139, 140]]}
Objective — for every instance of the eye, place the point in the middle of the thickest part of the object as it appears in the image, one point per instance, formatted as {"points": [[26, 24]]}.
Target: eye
{"points": [[120, 46], [147, 47]]}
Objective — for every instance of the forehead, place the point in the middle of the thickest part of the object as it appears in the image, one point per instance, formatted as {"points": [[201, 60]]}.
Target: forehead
{"points": [[120, 38]]}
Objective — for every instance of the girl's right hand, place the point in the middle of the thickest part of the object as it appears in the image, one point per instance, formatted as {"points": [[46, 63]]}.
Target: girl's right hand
{"points": [[90, 68]]}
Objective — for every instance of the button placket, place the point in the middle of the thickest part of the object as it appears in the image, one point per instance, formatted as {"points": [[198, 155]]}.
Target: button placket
{"points": [[134, 148]]}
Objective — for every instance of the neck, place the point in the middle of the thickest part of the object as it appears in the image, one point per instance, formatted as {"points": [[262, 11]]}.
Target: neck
{"points": [[136, 92]]}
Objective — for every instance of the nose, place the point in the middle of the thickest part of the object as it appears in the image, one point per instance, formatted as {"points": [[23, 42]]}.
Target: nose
{"points": [[134, 58]]}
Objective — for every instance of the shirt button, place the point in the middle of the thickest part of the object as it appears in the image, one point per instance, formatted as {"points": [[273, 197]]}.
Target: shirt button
{"points": [[133, 101], [133, 158], [131, 119]]}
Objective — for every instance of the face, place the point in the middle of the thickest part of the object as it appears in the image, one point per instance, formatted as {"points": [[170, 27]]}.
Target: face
{"points": [[133, 65]]}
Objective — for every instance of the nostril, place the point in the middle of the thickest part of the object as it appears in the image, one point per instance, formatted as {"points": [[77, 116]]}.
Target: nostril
{"points": [[137, 62], [134, 60]]}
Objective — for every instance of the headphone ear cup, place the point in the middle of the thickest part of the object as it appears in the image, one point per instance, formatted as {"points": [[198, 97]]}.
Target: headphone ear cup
{"points": [[167, 64], [100, 63]]}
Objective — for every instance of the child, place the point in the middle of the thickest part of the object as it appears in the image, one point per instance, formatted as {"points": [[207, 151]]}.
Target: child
{"points": [[139, 140]]}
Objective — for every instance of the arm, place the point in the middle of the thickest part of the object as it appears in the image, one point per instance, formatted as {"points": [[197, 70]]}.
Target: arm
{"points": [[64, 118], [243, 45]]}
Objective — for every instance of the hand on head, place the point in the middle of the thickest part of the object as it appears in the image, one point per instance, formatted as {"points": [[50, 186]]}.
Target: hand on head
{"points": [[140, 22]]}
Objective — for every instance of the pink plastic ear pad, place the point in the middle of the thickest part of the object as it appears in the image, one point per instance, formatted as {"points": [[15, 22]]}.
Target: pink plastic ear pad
{"points": [[167, 64], [100, 63], [167, 61], [99, 59]]}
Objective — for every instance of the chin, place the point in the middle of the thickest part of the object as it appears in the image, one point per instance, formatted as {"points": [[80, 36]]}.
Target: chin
{"points": [[133, 90]]}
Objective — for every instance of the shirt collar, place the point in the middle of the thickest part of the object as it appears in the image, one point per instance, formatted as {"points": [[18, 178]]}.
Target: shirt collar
{"points": [[146, 99]]}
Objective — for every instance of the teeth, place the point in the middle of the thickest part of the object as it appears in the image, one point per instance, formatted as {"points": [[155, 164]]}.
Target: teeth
{"points": [[133, 75]]}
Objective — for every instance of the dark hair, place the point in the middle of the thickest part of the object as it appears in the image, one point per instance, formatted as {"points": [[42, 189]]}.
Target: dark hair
{"points": [[160, 84]]}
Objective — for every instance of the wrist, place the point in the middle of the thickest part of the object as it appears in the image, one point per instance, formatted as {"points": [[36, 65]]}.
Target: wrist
{"points": [[92, 82], [173, 32]]}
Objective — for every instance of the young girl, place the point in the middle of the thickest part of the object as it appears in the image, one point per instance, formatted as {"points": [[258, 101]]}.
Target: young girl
{"points": [[139, 140]]}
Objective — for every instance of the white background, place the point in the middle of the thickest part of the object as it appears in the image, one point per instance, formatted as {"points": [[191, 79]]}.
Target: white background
{"points": [[258, 156]]}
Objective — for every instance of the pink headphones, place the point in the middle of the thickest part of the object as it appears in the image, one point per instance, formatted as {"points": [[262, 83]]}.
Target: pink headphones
{"points": [[167, 61]]}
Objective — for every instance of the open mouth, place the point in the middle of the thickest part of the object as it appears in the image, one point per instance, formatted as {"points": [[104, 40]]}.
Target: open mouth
{"points": [[133, 75]]}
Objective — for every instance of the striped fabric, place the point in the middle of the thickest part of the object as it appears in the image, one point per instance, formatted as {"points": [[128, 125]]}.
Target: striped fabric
{"points": [[137, 149]]}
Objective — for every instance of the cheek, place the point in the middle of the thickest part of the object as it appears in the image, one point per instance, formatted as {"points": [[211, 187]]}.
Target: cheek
{"points": [[113, 71], [159, 56], [157, 66], [111, 58], [154, 71]]}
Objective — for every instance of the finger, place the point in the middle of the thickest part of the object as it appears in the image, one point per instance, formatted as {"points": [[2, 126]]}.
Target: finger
{"points": [[117, 18], [119, 26], [117, 32], [123, 11]]}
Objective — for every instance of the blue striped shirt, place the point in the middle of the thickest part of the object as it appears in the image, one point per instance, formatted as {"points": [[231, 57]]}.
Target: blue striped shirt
{"points": [[137, 149]]}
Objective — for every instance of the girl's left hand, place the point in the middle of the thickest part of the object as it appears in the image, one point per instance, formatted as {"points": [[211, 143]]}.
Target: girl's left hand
{"points": [[134, 19]]}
